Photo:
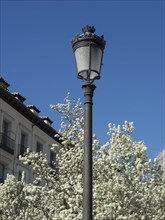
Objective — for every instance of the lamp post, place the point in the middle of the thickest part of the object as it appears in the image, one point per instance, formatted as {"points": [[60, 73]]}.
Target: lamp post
{"points": [[88, 51]]}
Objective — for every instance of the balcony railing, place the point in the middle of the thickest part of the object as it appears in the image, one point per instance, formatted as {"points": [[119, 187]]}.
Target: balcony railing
{"points": [[6, 143]]}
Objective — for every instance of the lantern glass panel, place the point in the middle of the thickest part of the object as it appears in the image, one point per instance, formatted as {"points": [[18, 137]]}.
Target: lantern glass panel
{"points": [[83, 75], [82, 59], [93, 75], [96, 58]]}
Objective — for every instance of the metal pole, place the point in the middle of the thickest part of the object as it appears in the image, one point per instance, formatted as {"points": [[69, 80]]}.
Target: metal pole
{"points": [[87, 188]]}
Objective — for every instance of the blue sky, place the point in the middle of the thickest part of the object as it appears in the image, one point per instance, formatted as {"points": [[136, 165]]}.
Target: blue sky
{"points": [[37, 60]]}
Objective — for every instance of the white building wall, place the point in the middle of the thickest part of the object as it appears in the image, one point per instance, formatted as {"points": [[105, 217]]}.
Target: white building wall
{"points": [[21, 124], [161, 160]]}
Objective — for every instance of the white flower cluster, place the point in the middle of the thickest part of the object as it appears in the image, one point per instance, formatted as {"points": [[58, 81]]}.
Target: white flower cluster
{"points": [[126, 183]]}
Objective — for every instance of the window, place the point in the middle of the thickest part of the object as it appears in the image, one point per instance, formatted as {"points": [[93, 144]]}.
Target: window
{"points": [[53, 160], [20, 175], [6, 142], [6, 127], [22, 172], [39, 147], [2, 168], [23, 143], [5, 133]]}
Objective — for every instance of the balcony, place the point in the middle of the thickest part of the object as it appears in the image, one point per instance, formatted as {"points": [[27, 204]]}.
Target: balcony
{"points": [[6, 143]]}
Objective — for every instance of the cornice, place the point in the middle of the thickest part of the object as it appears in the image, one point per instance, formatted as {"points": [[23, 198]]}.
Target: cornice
{"points": [[25, 111]]}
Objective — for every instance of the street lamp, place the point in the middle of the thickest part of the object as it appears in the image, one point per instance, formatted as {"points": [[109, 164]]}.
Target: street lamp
{"points": [[88, 50]]}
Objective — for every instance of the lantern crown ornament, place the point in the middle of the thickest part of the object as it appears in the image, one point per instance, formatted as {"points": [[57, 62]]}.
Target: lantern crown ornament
{"points": [[88, 50]]}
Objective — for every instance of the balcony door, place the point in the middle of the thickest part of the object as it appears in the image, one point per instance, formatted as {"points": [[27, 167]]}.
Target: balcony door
{"points": [[2, 170], [24, 143], [6, 142], [6, 133]]}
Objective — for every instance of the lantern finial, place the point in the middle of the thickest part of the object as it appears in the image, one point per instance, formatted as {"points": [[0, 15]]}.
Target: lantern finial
{"points": [[88, 29]]}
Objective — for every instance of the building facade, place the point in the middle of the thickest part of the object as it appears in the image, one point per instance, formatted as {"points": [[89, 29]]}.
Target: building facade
{"points": [[21, 127], [161, 160]]}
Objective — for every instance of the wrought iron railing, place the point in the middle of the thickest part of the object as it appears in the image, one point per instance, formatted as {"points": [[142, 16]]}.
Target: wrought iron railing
{"points": [[7, 143]]}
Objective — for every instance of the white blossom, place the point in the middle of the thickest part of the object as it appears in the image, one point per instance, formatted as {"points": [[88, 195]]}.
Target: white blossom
{"points": [[126, 183]]}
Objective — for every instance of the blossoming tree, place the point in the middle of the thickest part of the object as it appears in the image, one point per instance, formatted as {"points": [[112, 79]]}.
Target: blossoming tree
{"points": [[126, 183]]}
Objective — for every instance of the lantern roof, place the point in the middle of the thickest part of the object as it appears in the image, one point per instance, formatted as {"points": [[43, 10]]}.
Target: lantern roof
{"points": [[89, 35]]}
